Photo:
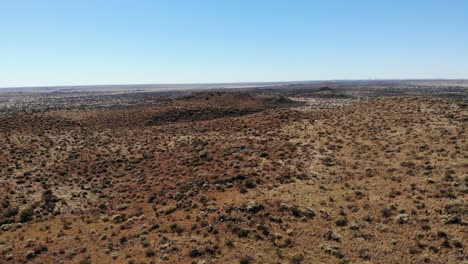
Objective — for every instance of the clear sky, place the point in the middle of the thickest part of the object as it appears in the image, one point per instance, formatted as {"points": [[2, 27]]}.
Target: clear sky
{"points": [[48, 42]]}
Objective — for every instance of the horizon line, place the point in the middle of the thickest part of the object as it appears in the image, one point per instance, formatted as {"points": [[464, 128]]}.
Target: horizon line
{"points": [[230, 83]]}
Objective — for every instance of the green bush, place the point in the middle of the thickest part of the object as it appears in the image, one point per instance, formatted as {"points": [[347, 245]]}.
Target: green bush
{"points": [[26, 215]]}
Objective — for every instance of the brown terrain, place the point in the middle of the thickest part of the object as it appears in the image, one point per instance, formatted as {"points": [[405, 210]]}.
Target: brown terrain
{"points": [[286, 174]]}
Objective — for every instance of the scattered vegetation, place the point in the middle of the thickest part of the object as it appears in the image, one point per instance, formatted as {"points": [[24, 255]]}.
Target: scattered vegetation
{"points": [[221, 177]]}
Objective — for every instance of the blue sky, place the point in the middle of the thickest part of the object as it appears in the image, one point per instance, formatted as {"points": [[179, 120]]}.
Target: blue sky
{"points": [[47, 42]]}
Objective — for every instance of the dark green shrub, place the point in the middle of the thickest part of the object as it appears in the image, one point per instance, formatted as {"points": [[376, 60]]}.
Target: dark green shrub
{"points": [[26, 215]]}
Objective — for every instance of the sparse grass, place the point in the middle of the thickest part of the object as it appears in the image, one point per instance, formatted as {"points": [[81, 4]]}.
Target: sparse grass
{"points": [[175, 181]]}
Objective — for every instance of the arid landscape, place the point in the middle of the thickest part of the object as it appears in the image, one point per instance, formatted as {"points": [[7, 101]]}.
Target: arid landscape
{"points": [[311, 172]]}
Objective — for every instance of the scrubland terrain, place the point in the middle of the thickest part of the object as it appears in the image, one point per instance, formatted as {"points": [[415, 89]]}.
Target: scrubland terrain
{"points": [[297, 173]]}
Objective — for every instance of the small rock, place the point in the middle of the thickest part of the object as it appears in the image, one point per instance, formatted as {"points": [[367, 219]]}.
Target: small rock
{"points": [[453, 220], [332, 250], [402, 218], [285, 206], [167, 210], [122, 207], [308, 212], [330, 235], [6, 227], [253, 207], [30, 254], [164, 246], [356, 225], [382, 227], [117, 218], [30, 242]]}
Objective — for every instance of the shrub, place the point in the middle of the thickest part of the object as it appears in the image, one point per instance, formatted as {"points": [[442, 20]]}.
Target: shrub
{"points": [[193, 253], [249, 183], [297, 259], [245, 260], [40, 249], [457, 243], [123, 240], [26, 215], [150, 253], [7, 220], [229, 243], [49, 200], [341, 221], [386, 212], [30, 255], [177, 228]]}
